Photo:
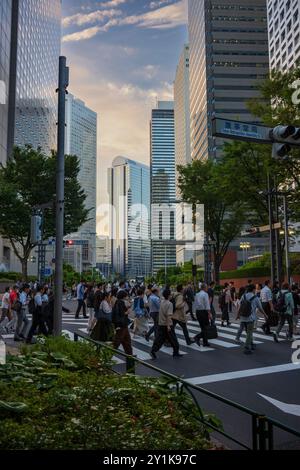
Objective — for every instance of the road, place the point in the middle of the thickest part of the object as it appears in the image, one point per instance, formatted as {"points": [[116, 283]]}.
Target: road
{"points": [[266, 381]]}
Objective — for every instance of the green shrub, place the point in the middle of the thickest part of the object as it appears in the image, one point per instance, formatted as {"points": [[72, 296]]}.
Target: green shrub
{"points": [[61, 395]]}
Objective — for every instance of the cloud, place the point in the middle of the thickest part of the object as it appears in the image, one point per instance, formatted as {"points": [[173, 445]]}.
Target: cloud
{"points": [[82, 35], [90, 18], [158, 3], [112, 3], [124, 112], [166, 17], [148, 72]]}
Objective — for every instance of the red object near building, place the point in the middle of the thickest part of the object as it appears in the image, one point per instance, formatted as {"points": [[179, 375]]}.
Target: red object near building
{"points": [[230, 262]]}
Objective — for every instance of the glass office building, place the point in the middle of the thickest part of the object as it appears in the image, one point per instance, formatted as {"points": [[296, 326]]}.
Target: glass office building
{"points": [[228, 57], [37, 38], [81, 140], [129, 197], [5, 44], [163, 186]]}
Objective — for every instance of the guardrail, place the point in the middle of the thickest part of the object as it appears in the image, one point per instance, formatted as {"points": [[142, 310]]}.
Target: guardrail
{"points": [[262, 426]]}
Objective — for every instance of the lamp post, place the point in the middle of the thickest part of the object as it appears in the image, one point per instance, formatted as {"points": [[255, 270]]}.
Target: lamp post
{"points": [[245, 246]]}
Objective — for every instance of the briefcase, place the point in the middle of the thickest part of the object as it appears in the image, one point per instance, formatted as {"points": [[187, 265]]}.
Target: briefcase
{"points": [[212, 332]]}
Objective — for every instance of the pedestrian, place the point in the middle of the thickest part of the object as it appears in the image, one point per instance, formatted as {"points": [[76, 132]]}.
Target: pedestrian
{"points": [[211, 295], [90, 298], [225, 302], [121, 321], [285, 307], [266, 299], [180, 314], [243, 326], [296, 298], [81, 299], [154, 307], [189, 297], [37, 317], [203, 314], [250, 303], [165, 327], [139, 308], [13, 297], [232, 296], [5, 314], [23, 321], [103, 329]]}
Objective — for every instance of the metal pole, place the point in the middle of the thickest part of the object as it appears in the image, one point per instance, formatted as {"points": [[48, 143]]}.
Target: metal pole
{"points": [[63, 82], [165, 265], [270, 208], [279, 269], [287, 241]]}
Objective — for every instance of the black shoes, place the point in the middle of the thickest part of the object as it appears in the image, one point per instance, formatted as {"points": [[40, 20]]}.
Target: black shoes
{"points": [[177, 355], [247, 351], [153, 355], [191, 341]]}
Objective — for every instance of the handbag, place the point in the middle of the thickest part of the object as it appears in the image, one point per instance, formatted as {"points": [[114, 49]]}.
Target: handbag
{"points": [[211, 331]]}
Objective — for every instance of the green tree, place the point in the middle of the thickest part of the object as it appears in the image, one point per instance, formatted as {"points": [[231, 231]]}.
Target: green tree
{"points": [[202, 183], [28, 180]]}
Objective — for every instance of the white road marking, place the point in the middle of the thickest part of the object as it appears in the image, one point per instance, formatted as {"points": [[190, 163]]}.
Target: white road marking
{"points": [[285, 407], [240, 374], [144, 342]]}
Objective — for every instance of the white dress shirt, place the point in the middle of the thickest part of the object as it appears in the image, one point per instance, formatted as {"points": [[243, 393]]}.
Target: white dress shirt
{"points": [[202, 301]]}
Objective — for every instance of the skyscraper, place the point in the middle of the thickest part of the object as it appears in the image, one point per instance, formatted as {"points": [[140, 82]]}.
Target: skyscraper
{"points": [[129, 197], [284, 33], [182, 135], [228, 55], [163, 186], [5, 43], [81, 140], [35, 50]]}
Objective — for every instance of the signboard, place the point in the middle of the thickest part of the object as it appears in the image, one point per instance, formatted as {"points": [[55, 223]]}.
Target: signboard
{"points": [[264, 228], [236, 130], [47, 272]]}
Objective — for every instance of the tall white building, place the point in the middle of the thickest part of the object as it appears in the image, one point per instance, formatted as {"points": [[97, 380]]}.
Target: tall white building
{"points": [[182, 136], [284, 33], [81, 140], [163, 186], [129, 198]]}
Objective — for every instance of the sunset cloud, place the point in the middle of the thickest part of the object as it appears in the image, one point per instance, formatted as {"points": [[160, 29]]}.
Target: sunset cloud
{"points": [[82, 35], [90, 18]]}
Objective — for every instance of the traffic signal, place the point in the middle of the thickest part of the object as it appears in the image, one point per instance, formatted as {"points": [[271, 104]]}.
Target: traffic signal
{"points": [[36, 229], [284, 138], [68, 243]]}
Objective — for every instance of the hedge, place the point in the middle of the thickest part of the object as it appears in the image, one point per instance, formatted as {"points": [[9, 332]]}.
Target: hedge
{"points": [[60, 395], [246, 273]]}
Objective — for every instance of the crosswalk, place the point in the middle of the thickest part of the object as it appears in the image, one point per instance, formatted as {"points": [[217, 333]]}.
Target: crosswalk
{"points": [[141, 347]]}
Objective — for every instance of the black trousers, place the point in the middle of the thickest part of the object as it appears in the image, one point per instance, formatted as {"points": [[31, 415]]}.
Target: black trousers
{"points": [[225, 313], [162, 335], [183, 326], [154, 316], [266, 325], [202, 317], [37, 322], [81, 304]]}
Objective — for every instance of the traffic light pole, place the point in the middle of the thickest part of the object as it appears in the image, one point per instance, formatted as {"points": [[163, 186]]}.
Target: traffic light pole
{"points": [[271, 222], [63, 83], [286, 231]]}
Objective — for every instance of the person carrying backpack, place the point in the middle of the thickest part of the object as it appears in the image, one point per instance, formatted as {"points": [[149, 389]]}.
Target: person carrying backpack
{"points": [[250, 303], [285, 307]]}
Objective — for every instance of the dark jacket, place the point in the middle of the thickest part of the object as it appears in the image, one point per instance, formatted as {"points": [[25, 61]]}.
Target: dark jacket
{"points": [[119, 317]]}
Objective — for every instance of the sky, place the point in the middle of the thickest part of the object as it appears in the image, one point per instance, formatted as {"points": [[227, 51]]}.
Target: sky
{"points": [[122, 56]]}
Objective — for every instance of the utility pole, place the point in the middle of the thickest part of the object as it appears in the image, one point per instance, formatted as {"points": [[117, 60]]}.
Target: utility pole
{"points": [[271, 223], [63, 82], [287, 242]]}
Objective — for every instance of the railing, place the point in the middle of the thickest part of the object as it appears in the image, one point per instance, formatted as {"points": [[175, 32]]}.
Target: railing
{"points": [[262, 426]]}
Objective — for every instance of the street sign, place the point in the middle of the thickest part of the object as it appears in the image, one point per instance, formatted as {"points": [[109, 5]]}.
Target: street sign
{"points": [[47, 272], [236, 130], [264, 228]]}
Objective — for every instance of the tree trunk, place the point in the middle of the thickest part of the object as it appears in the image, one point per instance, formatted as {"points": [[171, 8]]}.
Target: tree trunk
{"points": [[217, 265], [24, 269]]}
